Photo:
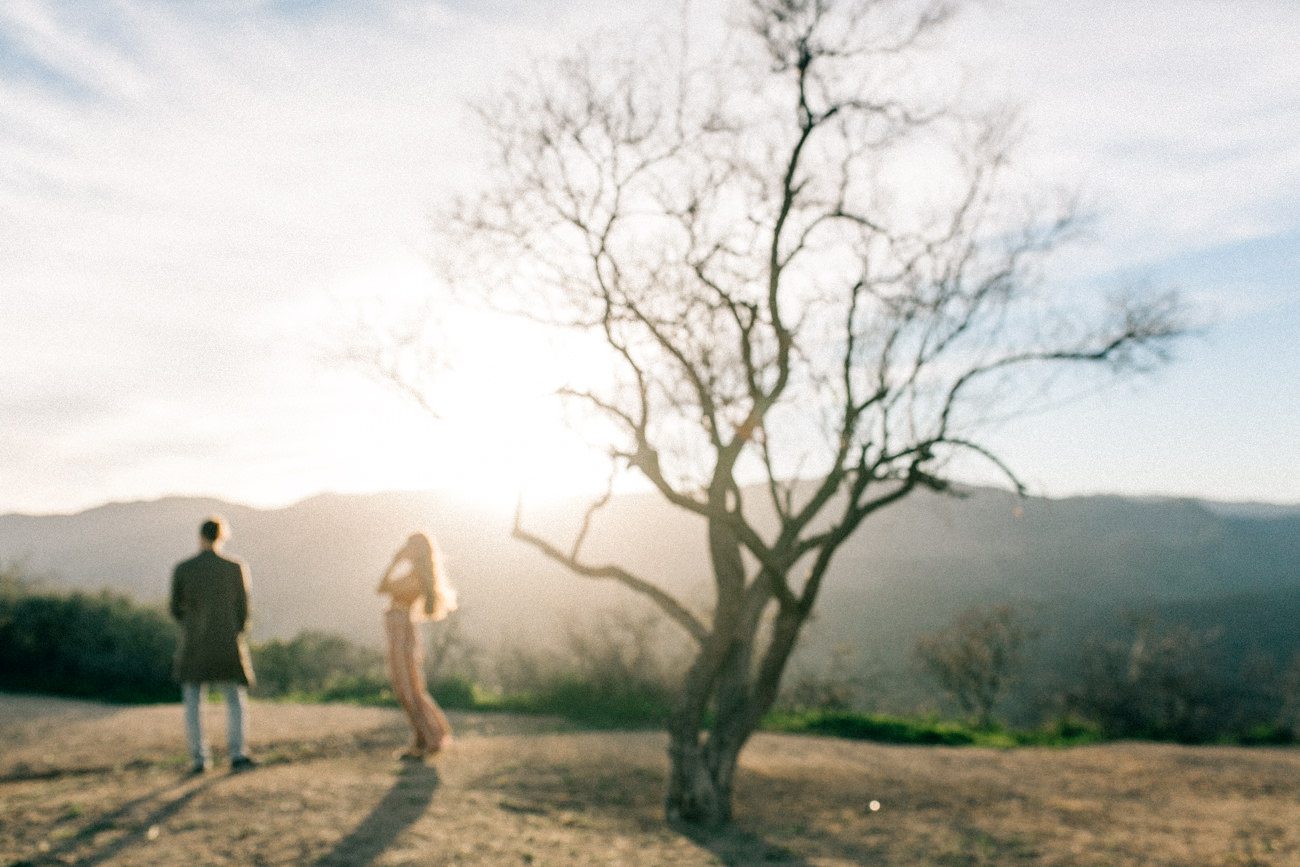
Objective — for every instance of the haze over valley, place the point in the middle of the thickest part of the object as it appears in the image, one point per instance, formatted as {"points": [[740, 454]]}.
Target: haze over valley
{"points": [[1078, 567]]}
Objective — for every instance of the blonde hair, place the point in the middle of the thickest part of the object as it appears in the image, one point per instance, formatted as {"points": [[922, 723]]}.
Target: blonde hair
{"points": [[439, 595]]}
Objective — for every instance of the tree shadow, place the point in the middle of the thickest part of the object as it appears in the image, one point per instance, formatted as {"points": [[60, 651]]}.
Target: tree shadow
{"points": [[734, 845], [828, 816], [404, 804], [630, 793]]}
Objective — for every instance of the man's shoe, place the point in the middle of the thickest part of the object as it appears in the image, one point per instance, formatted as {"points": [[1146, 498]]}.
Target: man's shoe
{"points": [[243, 763], [198, 768]]}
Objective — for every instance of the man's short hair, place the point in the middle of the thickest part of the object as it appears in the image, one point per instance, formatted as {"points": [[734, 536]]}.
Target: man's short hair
{"points": [[213, 529]]}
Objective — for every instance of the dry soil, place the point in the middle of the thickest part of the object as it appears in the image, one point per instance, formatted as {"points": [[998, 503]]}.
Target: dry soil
{"points": [[93, 784]]}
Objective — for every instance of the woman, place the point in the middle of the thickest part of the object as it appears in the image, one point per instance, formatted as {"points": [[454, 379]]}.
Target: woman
{"points": [[422, 579]]}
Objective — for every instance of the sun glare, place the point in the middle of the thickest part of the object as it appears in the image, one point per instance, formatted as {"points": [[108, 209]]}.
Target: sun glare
{"points": [[501, 431], [504, 420]]}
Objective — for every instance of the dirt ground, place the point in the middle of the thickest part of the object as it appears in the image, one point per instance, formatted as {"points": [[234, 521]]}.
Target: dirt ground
{"points": [[91, 784]]}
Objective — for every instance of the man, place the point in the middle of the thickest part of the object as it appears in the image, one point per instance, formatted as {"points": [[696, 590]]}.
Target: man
{"points": [[209, 597]]}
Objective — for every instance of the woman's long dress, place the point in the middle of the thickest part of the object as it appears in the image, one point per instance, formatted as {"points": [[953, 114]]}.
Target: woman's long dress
{"points": [[406, 666]]}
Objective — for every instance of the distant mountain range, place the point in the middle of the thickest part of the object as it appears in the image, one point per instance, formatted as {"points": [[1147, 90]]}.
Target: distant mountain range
{"points": [[1074, 563]]}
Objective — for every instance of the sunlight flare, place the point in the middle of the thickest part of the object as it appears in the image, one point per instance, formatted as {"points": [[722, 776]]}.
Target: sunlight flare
{"points": [[494, 428]]}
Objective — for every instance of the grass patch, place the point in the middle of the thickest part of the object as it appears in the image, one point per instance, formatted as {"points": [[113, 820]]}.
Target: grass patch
{"points": [[603, 706], [871, 727], [589, 704], [1268, 735], [582, 702], [925, 730]]}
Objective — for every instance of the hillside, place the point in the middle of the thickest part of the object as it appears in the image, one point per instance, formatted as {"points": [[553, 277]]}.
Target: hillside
{"points": [[1077, 562]]}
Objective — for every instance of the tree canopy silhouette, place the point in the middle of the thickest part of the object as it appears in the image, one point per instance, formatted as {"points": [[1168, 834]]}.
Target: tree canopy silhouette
{"points": [[814, 284]]}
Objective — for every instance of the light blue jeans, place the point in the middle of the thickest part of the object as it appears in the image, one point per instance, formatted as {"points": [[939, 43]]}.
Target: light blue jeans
{"points": [[236, 706]]}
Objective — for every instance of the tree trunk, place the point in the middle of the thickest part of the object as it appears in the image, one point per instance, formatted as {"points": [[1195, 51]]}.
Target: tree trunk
{"points": [[697, 793], [702, 767], [700, 778]]}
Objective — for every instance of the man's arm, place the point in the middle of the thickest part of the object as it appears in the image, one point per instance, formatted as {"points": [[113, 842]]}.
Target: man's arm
{"points": [[176, 600], [241, 598]]}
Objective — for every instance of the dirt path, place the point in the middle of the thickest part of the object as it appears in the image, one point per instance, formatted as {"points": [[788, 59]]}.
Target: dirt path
{"points": [[85, 783]]}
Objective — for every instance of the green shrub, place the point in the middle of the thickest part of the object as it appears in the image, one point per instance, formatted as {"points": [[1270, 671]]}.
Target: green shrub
{"points": [[312, 663], [1173, 681], [592, 703], [1268, 735], [455, 693], [102, 646], [366, 689], [1066, 731], [905, 730], [871, 727]]}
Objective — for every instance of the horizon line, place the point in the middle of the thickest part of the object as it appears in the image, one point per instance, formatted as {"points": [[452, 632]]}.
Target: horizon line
{"points": [[576, 495]]}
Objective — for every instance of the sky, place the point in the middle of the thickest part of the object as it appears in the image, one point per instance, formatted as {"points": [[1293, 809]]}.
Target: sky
{"points": [[199, 197]]}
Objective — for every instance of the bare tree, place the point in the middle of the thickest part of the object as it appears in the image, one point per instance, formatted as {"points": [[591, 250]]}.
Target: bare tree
{"points": [[975, 657], [1178, 681], [814, 287]]}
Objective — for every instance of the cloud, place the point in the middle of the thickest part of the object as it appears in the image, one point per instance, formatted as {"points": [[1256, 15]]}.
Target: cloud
{"points": [[1180, 118], [184, 186], [76, 55]]}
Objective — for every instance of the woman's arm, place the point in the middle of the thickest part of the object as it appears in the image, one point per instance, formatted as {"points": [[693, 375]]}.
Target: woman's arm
{"points": [[386, 582]]}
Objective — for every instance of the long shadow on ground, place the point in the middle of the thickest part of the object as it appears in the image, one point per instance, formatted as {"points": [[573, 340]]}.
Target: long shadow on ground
{"points": [[404, 804], [737, 846], [631, 791], [171, 798]]}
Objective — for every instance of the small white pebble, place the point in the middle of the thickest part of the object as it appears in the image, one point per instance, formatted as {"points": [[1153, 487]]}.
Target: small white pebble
{"points": [[874, 806]]}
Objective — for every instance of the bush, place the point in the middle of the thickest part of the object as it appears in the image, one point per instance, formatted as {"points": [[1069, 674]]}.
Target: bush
{"points": [[611, 673], [367, 689], [1173, 682], [976, 657], [1066, 731], [107, 646], [575, 698], [455, 693], [102, 646], [1268, 735], [314, 663]]}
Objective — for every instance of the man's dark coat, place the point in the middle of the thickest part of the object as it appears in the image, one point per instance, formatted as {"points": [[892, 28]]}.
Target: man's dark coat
{"points": [[209, 597]]}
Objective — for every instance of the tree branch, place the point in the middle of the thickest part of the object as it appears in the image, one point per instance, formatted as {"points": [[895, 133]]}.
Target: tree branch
{"points": [[675, 611]]}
